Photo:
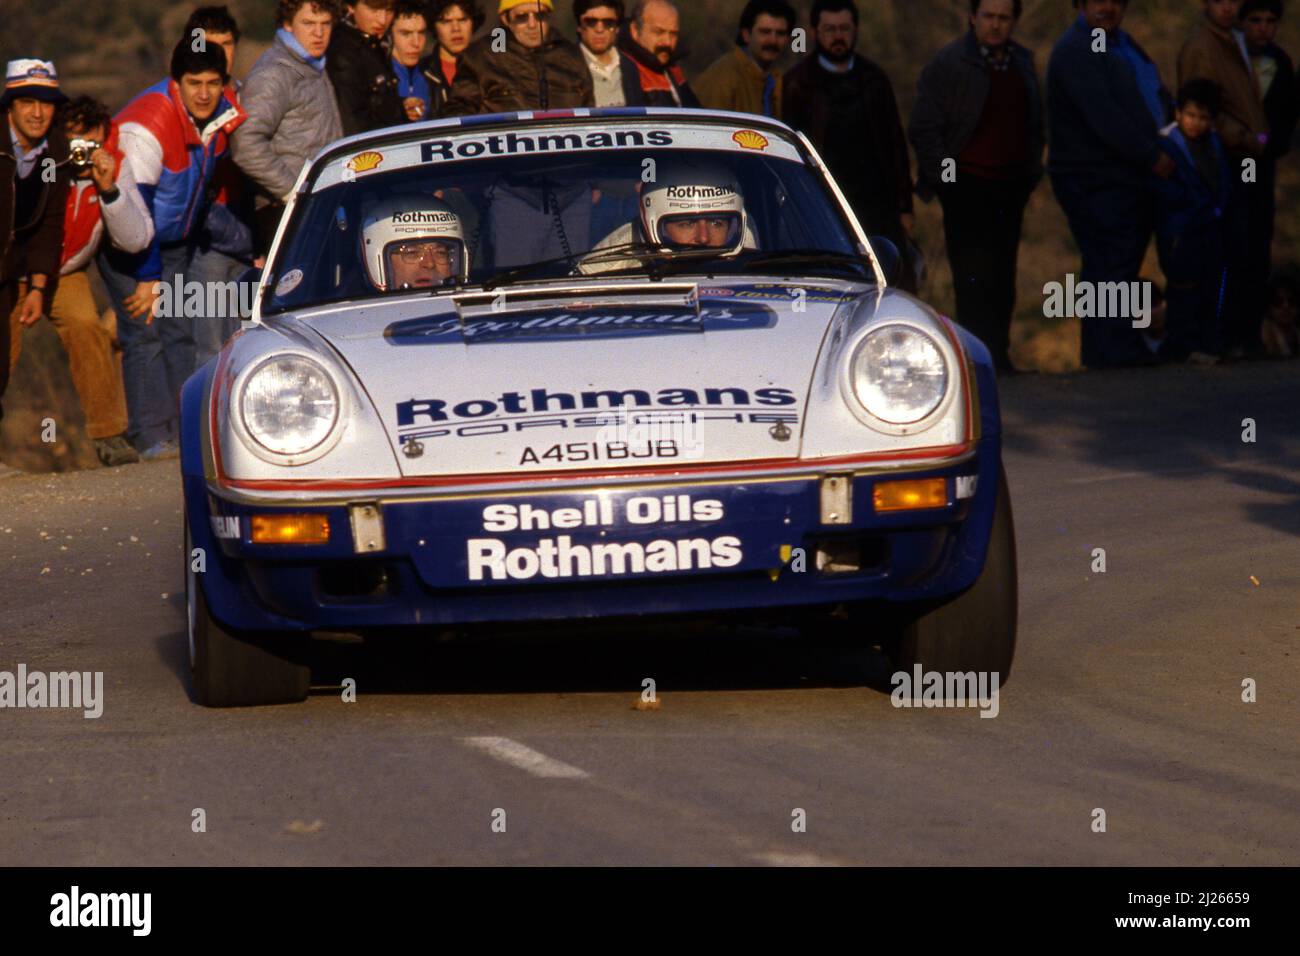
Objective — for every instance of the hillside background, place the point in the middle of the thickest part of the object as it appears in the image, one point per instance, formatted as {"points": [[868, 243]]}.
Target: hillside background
{"points": [[114, 48]]}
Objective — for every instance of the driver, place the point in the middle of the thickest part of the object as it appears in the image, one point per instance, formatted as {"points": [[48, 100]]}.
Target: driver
{"points": [[413, 242], [692, 206]]}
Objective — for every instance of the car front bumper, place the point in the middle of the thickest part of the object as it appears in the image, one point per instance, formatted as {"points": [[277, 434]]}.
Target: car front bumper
{"points": [[753, 543]]}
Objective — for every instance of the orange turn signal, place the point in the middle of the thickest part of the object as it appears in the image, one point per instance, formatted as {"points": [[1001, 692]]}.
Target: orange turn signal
{"points": [[291, 529], [910, 495]]}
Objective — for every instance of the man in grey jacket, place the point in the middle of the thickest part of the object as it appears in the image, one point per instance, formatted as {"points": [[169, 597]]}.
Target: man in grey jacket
{"points": [[977, 128], [292, 111]]}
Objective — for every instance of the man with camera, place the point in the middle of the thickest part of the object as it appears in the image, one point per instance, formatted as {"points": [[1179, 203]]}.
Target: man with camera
{"points": [[33, 190], [103, 199]]}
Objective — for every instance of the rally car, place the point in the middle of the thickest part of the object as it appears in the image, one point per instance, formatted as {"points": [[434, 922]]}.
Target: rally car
{"points": [[590, 364]]}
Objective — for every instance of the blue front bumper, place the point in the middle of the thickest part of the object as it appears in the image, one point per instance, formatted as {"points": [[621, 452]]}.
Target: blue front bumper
{"points": [[444, 562]]}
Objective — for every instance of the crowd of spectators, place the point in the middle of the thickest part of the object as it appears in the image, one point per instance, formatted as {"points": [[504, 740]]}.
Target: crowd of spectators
{"points": [[188, 181]]}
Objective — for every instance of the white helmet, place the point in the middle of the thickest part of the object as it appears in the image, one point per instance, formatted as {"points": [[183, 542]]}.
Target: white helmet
{"points": [[414, 220], [691, 191]]}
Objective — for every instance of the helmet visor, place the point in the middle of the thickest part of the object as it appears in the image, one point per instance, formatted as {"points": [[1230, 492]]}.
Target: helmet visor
{"points": [[716, 230], [422, 263]]}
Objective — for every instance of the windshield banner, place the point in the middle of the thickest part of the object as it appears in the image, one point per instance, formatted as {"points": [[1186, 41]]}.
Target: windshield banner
{"points": [[455, 145]]}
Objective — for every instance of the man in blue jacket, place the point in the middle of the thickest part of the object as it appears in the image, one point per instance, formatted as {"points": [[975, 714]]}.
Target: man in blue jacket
{"points": [[1190, 233], [1105, 108]]}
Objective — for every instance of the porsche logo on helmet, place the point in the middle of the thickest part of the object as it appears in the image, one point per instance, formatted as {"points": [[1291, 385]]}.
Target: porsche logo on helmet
{"points": [[364, 162], [748, 139]]}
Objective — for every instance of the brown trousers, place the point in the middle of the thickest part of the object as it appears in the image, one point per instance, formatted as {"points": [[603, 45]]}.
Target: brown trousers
{"points": [[96, 373]]}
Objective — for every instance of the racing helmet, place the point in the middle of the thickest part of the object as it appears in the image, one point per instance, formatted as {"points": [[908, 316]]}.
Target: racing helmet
{"points": [[687, 193], [402, 227]]}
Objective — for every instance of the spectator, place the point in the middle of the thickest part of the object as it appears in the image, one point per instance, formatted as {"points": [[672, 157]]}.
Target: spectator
{"points": [[409, 31], [292, 111], [216, 26], [845, 104], [225, 242], [1274, 71], [1276, 77], [31, 205], [103, 197], [978, 105], [454, 25], [360, 67], [1105, 110], [174, 135], [536, 70], [613, 74], [1281, 329], [650, 42], [1190, 232], [745, 79], [1216, 52]]}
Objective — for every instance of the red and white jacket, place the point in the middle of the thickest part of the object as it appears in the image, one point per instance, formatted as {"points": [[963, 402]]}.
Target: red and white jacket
{"points": [[130, 228]]}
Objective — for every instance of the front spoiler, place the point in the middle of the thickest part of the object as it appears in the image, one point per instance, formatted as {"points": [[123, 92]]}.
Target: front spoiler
{"points": [[429, 578]]}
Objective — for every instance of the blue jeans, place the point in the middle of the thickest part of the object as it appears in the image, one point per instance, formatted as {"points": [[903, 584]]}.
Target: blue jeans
{"points": [[211, 332], [1112, 224], [157, 357]]}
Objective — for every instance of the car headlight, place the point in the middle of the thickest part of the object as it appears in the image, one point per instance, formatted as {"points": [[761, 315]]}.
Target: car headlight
{"points": [[289, 405], [899, 374]]}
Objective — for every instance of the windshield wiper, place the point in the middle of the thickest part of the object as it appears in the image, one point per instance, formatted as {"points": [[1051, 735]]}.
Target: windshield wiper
{"points": [[591, 255], [800, 257]]}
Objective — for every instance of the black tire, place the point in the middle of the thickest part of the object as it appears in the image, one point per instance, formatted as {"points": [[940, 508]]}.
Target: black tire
{"points": [[976, 631], [231, 670]]}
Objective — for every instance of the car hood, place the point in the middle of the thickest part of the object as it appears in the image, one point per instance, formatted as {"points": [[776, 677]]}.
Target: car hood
{"points": [[574, 381]]}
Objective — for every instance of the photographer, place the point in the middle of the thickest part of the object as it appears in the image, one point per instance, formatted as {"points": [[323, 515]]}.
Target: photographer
{"points": [[103, 198], [33, 189]]}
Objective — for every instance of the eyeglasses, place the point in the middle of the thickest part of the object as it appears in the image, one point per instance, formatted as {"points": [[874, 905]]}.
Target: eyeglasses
{"points": [[411, 254], [527, 16], [599, 23]]}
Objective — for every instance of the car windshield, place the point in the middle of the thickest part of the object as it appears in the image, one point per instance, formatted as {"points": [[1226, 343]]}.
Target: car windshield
{"points": [[496, 221]]}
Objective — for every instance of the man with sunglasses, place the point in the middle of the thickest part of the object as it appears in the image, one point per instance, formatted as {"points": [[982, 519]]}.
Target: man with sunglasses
{"points": [[531, 68], [613, 74]]}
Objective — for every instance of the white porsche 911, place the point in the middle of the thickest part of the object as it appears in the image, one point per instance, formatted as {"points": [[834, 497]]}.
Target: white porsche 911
{"points": [[597, 363]]}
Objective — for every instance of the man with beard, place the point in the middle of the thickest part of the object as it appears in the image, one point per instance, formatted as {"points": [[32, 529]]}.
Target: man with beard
{"points": [[651, 41], [977, 127], [845, 104], [745, 80]]}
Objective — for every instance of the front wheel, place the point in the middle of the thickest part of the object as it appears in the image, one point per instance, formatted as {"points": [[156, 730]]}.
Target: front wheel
{"points": [[229, 670], [976, 631]]}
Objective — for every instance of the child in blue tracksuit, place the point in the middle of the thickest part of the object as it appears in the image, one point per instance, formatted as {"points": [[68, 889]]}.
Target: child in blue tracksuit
{"points": [[1190, 231]]}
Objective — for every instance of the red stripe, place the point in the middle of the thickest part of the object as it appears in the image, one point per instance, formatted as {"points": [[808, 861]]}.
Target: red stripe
{"points": [[758, 468]]}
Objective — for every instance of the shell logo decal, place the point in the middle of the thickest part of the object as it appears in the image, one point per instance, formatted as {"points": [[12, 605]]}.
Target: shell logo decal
{"points": [[748, 139], [364, 162]]}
